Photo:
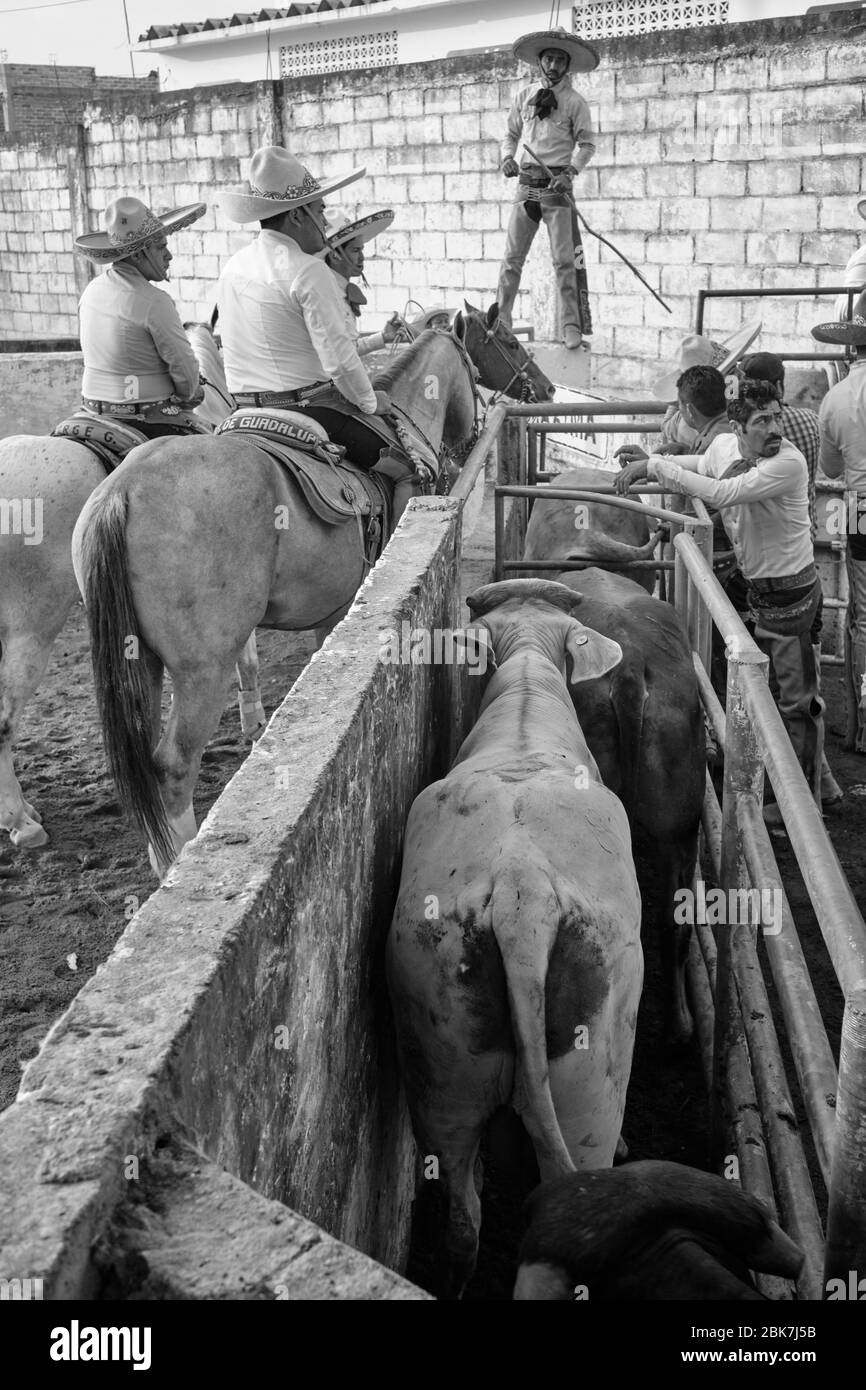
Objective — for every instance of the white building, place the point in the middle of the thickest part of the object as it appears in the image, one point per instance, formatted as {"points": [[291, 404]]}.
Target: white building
{"points": [[340, 35]]}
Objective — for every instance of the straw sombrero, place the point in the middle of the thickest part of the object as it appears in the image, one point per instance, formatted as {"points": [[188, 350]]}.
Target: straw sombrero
{"points": [[698, 351], [531, 46], [341, 230], [852, 334], [130, 226], [278, 182]]}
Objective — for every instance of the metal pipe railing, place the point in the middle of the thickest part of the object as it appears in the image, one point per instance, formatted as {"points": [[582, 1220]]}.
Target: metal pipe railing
{"points": [[476, 460], [760, 292], [639, 407], [591, 428]]}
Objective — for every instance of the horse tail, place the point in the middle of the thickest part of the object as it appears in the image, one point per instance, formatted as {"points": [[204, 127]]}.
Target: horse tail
{"points": [[121, 662]]}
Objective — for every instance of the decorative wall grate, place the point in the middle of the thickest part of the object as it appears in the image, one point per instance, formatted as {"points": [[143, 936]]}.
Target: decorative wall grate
{"points": [[354, 51], [610, 19]]}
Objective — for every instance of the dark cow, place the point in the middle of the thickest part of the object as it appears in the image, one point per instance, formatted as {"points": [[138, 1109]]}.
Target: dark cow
{"points": [[593, 531], [644, 725], [648, 1230]]}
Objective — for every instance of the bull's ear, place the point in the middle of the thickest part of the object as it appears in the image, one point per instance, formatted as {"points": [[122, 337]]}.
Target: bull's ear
{"points": [[492, 314], [458, 326], [592, 655]]}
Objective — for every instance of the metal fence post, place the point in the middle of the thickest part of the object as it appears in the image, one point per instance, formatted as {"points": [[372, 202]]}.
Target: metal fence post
{"points": [[846, 1213], [744, 777]]}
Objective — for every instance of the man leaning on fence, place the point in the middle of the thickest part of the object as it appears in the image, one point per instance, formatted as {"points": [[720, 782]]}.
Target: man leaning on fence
{"points": [[760, 481]]}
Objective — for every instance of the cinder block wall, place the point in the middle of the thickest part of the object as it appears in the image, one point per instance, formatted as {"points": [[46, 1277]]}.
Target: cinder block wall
{"points": [[727, 156]]}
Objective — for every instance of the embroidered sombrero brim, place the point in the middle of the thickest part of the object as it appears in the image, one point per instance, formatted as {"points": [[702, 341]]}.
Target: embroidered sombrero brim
{"points": [[531, 46], [97, 246], [242, 206], [845, 334], [364, 229], [725, 355]]}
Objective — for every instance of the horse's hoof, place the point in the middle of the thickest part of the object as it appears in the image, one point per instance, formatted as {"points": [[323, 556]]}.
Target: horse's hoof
{"points": [[252, 735], [32, 812], [30, 835]]}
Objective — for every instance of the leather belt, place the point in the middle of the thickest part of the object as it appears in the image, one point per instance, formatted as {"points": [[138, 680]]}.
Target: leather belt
{"points": [[528, 181], [277, 398], [122, 407], [801, 580]]}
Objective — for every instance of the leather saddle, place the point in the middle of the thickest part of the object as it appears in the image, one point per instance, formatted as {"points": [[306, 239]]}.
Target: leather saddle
{"points": [[335, 491], [106, 436], [374, 441]]}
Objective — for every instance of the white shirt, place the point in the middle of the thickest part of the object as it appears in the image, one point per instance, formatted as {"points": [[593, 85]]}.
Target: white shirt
{"points": [[555, 139], [367, 342], [842, 422], [132, 340], [768, 520], [282, 323]]}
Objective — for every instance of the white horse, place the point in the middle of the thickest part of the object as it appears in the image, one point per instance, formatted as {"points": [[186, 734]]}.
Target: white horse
{"points": [[44, 483]]}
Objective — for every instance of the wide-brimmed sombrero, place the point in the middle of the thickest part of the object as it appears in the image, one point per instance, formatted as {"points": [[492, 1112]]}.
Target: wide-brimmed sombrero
{"points": [[698, 351], [531, 46], [341, 230], [130, 226], [278, 182], [852, 334]]}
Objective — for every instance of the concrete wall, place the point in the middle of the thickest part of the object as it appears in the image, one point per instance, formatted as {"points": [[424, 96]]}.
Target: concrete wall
{"points": [[36, 95], [37, 389], [244, 1009], [728, 156]]}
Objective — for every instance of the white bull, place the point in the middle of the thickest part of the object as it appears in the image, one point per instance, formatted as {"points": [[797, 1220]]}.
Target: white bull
{"points": [[514, 958]]}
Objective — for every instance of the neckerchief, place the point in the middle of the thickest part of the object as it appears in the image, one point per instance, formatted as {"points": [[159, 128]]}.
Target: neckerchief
{"points": [[355, 298], [544, 102]]}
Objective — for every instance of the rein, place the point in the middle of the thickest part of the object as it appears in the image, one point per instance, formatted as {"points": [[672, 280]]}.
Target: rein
{"points": [[527, 392], [422, 468]]}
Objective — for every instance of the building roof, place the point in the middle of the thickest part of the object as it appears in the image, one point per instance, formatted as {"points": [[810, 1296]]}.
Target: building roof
{"points": [[203, 26]]}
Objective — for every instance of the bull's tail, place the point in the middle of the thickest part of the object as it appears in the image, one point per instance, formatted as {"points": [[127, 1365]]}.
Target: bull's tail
{"points": [[122, 663], [525, 913], [628, 696]]}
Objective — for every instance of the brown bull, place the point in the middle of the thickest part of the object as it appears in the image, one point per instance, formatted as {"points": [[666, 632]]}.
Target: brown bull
{"points": [[644, 725]]}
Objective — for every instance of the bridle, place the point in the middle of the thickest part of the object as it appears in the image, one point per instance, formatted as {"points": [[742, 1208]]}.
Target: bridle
{"points": [[527, 390]]}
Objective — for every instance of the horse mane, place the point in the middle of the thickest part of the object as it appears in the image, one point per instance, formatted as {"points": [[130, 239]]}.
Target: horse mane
{"points": [[385, 380]]}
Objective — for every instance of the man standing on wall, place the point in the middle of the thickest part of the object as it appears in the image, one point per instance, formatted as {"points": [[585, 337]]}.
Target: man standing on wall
{"points": [[554, 120]]}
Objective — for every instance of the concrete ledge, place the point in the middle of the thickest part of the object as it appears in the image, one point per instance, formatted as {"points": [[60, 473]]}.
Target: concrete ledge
{"points": [[38, 390], [244, 1006], [190, 1231]]}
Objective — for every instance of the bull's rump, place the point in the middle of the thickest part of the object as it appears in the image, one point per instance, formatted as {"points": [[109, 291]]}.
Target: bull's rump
{"points": [[478, 840], [552, 531]]}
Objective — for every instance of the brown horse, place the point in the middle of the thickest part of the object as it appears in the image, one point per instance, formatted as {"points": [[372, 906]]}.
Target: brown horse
{"points": [[191, 544]]}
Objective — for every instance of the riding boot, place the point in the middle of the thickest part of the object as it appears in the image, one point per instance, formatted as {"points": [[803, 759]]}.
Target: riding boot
{"points": [[404, 491]]}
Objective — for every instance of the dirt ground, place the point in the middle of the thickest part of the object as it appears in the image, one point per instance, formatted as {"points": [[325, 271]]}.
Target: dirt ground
{"points": [[62, 908]]}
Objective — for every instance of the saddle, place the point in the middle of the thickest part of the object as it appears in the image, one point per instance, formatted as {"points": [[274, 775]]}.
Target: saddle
{"points": [[382, 443], [109, 438], [335, 491]]}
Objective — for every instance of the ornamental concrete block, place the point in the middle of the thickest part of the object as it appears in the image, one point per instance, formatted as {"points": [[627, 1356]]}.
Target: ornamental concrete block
{"points": [[796, 66], [685, 214], [743, 213], [836, 176], [790, 214], [664, 249], [775, 178]]}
